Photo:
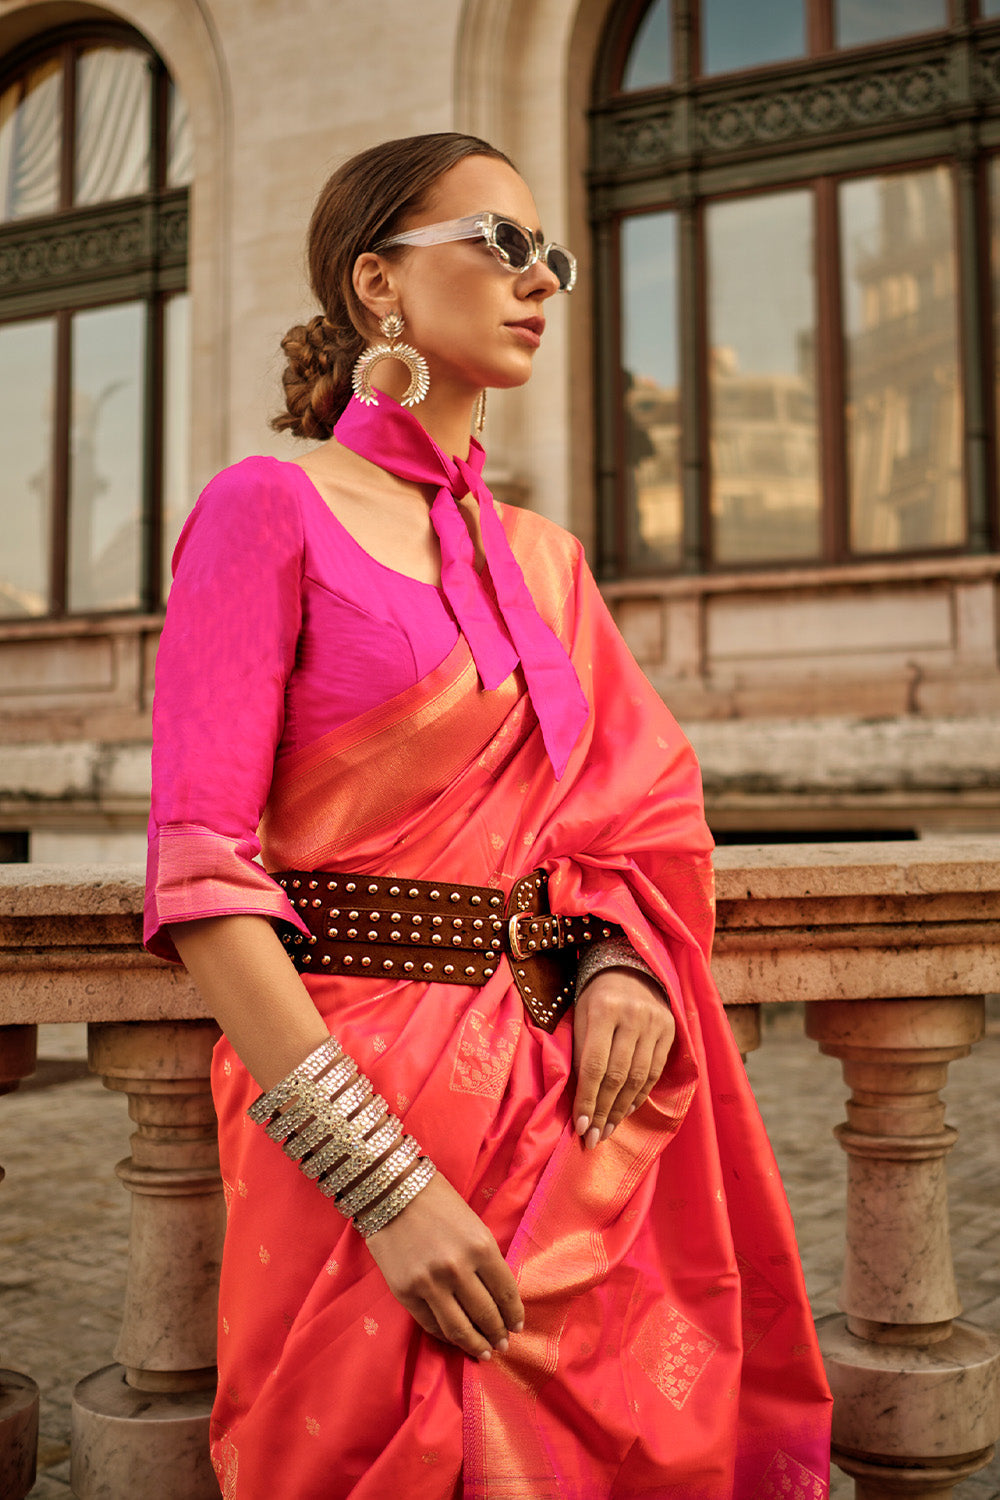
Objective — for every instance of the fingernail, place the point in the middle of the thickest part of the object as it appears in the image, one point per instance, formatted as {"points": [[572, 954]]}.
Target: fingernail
{"points": [[502, 1346], [581, 1124], [631, 1110], [607, 1132], [518, 1327], [593, 1137], [486, 1354]]}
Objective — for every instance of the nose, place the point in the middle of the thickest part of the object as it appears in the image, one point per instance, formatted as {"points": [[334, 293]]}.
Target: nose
{"points": [[537, 282]]}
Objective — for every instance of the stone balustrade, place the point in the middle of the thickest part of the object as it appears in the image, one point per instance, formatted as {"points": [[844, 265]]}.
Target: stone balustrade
{"points": [[891, 947]]}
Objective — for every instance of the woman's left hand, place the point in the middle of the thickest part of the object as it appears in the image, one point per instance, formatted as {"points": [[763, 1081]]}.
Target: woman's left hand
{"points": [[622, 1032]]}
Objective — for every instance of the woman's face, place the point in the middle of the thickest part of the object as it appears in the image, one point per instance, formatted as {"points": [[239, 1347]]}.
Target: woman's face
{"points": [[475, 322]]}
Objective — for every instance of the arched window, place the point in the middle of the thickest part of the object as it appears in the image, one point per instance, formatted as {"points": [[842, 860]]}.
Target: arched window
{"points": [[798, 308], [95, 158]]}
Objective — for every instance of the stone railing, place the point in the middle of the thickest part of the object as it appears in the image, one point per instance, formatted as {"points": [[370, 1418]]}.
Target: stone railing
{"points": [[892, 947]]}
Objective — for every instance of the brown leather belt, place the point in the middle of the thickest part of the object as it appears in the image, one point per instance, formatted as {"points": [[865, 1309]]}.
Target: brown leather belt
{"points": [[439, 933]]}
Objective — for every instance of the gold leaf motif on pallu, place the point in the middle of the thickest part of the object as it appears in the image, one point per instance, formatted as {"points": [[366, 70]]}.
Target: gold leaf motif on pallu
{"points": [[225, 1462], [673, 1352], [786, 1479], [483, 1055]]}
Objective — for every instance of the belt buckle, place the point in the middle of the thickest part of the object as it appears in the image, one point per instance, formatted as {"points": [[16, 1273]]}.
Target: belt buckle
{"points": [[513, 937], [557, 934]]}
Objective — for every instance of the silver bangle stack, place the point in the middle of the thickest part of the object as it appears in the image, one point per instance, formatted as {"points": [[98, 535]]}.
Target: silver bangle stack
{"points": [[612, 953], [327, 1119]]}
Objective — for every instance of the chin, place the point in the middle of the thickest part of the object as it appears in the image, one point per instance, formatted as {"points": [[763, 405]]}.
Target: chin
{"points": [[507, 380]]}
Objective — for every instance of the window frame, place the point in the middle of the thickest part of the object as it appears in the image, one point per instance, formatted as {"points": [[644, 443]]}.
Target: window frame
{"points": [[705, 139], [97, 255]]}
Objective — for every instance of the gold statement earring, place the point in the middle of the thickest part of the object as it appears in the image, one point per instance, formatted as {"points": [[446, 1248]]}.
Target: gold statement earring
{"points": [[479, 413], [390, 327]]}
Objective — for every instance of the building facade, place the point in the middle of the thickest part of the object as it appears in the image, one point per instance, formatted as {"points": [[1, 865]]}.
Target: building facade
{"points": [[769, 409]]}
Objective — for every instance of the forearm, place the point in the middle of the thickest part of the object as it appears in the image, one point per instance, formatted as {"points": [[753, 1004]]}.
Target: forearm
{"points": [[244, 975], [436, 1255]]}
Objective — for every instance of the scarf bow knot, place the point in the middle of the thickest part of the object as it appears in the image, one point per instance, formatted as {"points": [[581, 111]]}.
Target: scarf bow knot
{"points": [[498, 636]]}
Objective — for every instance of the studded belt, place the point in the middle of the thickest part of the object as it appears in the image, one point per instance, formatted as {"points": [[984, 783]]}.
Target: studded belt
{"points": [[439, 933]]}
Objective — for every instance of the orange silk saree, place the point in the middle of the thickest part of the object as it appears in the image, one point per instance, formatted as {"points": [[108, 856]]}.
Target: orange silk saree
{"points": [[668, 1349]]}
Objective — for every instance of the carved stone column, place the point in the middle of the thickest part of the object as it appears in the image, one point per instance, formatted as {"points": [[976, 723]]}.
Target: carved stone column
{"points": [[18, 1393], [916, 1391], [140, 1427]]}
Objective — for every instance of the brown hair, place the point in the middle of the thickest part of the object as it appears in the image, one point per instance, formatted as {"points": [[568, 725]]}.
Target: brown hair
{"points": [[367, 199]]}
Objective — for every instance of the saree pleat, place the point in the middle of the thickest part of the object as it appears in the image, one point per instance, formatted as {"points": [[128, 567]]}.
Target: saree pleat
{"points": [[668, 1348]]}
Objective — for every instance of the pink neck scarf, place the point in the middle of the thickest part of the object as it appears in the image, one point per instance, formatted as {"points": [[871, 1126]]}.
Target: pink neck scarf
{"points": [[393, 438]]}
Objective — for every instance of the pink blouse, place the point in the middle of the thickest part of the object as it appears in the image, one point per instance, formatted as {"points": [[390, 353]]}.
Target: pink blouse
{"points": [[280, 627]]}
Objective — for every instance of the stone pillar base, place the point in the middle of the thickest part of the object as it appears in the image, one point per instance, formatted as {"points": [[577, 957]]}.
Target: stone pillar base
{"points": [[872, 1482], [912, 1421], [129, 1443], [18, 1433]]}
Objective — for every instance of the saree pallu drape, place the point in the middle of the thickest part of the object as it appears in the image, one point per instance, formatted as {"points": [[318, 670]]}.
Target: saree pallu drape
{"points": [[668, 1349]]}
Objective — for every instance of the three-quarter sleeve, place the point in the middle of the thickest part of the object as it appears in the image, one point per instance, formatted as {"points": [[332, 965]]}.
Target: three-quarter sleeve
{"points": [[227, 649]]}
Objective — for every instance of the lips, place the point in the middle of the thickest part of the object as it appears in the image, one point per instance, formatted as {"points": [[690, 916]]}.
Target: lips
{"points": [[531, 329]]}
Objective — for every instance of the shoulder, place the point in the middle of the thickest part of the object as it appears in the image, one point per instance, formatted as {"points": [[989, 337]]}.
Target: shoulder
{"points": [[249, 506], [553, 564], [533, 535], [258, 493], [264, 482]]}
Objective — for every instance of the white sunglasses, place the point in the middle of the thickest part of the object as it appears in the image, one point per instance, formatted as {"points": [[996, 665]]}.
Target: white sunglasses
{"points": [[515, 246]]}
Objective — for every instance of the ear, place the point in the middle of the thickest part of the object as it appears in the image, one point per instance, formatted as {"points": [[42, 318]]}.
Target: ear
{"points": [[373, 285]]}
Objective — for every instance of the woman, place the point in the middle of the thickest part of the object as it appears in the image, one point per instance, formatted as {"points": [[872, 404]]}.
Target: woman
{"points": [[582, 1281]]}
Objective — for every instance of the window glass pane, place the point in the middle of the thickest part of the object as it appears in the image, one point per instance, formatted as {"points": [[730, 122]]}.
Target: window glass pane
{"points": [[106, 445], [765, 485], [736, 34], [177, 497], [989, 7], [180, 144], [27, 357], [30, 137], [649, 64], [652, 402], [904, 416], [113, 87], [860, 21]]}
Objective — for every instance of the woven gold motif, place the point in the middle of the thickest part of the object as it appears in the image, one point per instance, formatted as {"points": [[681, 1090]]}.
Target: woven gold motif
{"points": [[225, 1462], [483, 1055], [673, 1352], [786, 1479]]}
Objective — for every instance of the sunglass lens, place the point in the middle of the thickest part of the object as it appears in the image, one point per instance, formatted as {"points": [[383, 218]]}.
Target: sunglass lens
{"points": [[514, 244], [562, 265]]}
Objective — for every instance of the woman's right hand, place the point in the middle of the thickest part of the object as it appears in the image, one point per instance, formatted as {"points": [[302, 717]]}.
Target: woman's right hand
{"points": [[442, 1263]]}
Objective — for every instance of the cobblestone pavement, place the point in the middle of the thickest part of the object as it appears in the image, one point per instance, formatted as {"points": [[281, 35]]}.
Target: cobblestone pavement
{"points": [[64, 1216]]}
